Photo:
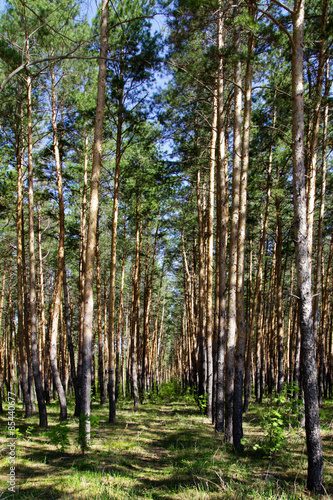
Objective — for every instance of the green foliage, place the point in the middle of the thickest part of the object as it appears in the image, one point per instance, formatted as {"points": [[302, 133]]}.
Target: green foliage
{"points": [[18, 433], [167, 392], [280, 415], [202, 402], [58, 435]]}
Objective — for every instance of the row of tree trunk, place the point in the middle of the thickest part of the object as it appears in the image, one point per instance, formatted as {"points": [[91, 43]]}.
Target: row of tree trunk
{"points": [[251, 342]]}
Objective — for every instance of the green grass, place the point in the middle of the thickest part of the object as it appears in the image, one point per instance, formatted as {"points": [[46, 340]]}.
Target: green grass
{"points": [[165, 450]]}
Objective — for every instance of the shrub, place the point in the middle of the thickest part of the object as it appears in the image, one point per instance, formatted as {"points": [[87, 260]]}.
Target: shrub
{"points": [[280, 415], [58, 435]]}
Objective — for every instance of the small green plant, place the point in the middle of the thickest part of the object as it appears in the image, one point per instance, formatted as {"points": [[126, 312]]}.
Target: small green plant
{"points": [[281, 414], [58, 435], [202, 402], [169, 391], [18, 433], [28, 432]]}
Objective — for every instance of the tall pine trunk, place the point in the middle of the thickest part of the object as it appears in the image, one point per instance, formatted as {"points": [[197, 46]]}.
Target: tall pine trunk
{"points": [[241, 320], [222, 215], [91, 237], [210, 252], [33, 299], [20, 290], [112, 297], [61, 262], [303, 266], [232, 305]]}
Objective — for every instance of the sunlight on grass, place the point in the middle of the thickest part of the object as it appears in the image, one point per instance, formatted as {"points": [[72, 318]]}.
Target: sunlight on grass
{"points": [[163, 451]]}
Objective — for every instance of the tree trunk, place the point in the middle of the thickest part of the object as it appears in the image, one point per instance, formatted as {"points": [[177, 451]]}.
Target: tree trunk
{"points": [[112, 297], [149, 279], [311, 166], [319, 281], [232, 305], [201, 305], [33, 301], [222, 228], [42, 333], [99, 323], [312, 424], [70, 340], [136, 307], [241, 320], [20, 291], [318, 289], [121, 315], [279, 294], [210, 251], [61, 262], [92, 230], [83, 256]]}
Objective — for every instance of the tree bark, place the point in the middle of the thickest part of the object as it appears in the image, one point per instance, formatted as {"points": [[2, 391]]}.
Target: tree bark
{"points": [[303, 267], [92, 230], [70, 340], [61, 261], [136, 307], [279, 295], [311, 166], [20, 290], [120, 352], [201, 305], [149, 279], [222, 228], [241, 320], [318, 285], [210, 252], [232, 305], [33, 300], [99, 323], [83, 256], [112, 297]]}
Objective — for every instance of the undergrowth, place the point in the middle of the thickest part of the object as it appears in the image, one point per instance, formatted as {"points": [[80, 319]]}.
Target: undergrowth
{"points": [[165, 450]]}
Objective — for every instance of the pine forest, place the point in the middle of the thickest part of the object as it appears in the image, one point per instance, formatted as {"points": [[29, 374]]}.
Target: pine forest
{"points": [[166, 249]]}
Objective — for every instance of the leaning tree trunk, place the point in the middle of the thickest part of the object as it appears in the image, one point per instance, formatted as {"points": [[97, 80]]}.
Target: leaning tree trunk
{"points": [[91, 237], [308, 346]]}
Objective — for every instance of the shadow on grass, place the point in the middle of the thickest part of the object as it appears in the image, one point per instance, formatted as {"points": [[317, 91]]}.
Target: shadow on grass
{"points": [[166, 450]]}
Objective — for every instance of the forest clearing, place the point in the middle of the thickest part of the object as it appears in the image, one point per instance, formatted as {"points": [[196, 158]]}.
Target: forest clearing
{"points": [[166, 248]]}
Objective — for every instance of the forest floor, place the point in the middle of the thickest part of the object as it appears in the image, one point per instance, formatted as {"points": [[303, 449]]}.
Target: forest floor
{"points": [[165, 450]]}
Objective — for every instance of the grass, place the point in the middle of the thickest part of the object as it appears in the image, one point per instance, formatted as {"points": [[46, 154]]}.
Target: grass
{"points": [[165, 450]]}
